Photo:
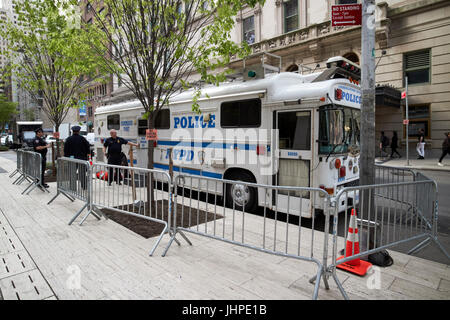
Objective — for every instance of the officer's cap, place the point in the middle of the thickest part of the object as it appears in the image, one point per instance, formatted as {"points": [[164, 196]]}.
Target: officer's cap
{"points": [[38, 129], [76, 128]]}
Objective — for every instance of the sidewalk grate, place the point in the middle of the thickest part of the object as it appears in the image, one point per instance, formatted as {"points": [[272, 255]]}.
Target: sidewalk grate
{"points": [[29, 285], [14, 263], [9, 242]]}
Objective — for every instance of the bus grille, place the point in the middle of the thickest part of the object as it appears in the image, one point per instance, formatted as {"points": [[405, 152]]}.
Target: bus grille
{"points": [[353, 183]]}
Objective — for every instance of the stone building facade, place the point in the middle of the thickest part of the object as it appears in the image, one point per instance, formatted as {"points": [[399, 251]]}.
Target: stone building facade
{"points": [[412, 39]]}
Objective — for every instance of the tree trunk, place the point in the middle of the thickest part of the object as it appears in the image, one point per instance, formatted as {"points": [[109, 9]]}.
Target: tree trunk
{"points": [[55, 156], [150, 163]]}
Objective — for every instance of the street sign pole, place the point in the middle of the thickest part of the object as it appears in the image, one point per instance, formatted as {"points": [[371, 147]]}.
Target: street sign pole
{"points": [[407, 121], [367, 170]]}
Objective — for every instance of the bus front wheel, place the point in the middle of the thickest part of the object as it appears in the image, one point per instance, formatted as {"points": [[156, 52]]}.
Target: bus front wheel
{"points": [[239, 195]]}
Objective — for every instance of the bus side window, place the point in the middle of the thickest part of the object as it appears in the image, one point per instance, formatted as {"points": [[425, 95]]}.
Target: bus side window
{"points": [[240, 114], [162, 121], [113, 122]]}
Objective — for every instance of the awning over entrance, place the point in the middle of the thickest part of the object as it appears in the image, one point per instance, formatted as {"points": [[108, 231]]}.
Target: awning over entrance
{"points": [[386, 96]]}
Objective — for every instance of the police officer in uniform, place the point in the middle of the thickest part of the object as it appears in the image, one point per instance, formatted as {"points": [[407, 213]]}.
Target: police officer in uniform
{"points": [[40, 146], [114, 146], [78, 147]]}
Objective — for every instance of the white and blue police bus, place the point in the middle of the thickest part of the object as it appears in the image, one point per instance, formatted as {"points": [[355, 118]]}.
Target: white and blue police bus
{"points": [[282, 129]]}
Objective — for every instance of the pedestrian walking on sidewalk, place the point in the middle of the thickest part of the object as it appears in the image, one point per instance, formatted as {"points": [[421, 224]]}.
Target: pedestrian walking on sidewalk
{"points": [[78, 147], [394, 145], [384, 143], [40, 146], [421, 144], [445, 148], [114, 154]]}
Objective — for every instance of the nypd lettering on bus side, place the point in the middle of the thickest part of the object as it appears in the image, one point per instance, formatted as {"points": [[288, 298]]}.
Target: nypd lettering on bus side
{"points": [[181, 154], [194, 122]]}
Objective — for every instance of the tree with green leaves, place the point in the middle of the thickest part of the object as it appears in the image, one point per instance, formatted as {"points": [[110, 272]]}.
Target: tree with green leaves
{"points": [[7, 111], [154, 47], [49, 54]]}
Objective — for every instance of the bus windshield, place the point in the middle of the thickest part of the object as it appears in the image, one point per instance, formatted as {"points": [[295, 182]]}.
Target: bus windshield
{"points": [[29, 135], [339, 130]]}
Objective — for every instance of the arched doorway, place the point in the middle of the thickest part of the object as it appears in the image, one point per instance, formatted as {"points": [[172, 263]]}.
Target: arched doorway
{"points": [[353, 57], [292, 68]]}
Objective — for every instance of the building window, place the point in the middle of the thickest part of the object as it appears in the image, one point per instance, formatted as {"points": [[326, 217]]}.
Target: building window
{"points": [[113, 122], [249, 29], [416, 67], [291, 15], [241, 114], [346, 1], [419, 117], [89, 111]]}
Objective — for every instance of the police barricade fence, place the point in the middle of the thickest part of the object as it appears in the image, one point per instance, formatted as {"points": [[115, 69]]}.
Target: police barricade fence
{"points": [[73, 181], [138, 192], [120, 189], [19, 168], [18, 162], [389, 215], [30, 164], [199, 208], [386, 174]]}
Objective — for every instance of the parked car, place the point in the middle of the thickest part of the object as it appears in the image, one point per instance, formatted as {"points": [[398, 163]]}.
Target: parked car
{"points": [[50, 139], [6, 140]]}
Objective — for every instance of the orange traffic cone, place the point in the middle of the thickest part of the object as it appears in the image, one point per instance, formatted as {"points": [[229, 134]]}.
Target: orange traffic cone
{"points": [[102, 175], [356, 266]]}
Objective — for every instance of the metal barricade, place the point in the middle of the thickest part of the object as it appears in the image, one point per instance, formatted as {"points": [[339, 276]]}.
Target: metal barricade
{"points": [[74, 180], [128, 190], [389, 215], [200, 208], [31, 170], [386, 174], [19, 163], [19, 168]]}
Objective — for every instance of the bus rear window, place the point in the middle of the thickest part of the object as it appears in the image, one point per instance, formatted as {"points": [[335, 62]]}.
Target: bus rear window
{"points": [[241, 114], [113, 122]]}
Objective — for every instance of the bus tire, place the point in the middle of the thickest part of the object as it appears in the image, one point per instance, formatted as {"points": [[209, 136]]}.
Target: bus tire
{"points": [[238, 194]]}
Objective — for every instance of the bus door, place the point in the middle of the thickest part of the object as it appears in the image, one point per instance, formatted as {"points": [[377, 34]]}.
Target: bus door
{"points": [[295, 155]]}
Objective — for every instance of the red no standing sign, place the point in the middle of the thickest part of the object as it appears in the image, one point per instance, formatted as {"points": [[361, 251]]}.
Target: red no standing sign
{"points": [[346, 15]]}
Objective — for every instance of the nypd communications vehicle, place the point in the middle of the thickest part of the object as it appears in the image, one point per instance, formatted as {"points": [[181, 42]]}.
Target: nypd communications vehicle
{"points": [[281, 129]]}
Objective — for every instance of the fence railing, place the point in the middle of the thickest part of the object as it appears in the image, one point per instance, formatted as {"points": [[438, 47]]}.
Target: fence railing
{"points": [[385, 174], [19, 160], [389, 215], [73, 180], [138, 192], [399, 211], [29, 165], [199, 210]]}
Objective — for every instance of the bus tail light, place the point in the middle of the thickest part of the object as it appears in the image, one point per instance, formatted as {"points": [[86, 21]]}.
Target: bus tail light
{"points": [[260, 150], [338, 94], [342, 172], [337, 163], [155, 143]]}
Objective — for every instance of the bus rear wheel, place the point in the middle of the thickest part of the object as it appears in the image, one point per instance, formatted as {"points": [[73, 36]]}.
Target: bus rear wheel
{"points": [[239, 195]]}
